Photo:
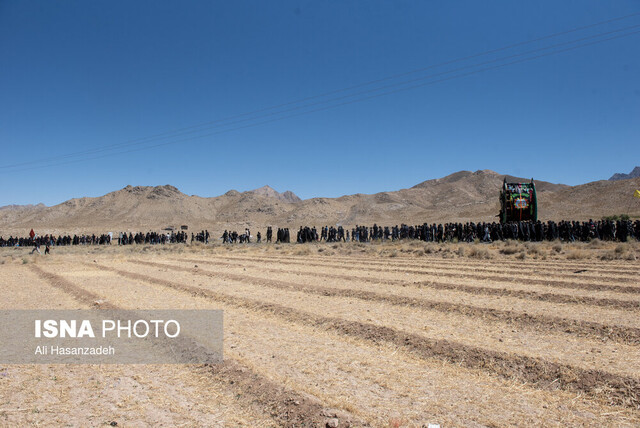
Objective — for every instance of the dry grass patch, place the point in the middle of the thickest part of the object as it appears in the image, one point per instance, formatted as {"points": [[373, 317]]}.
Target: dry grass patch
{"points": [[429, 248], [577, 255], [620, 252], [509, 250], [534, 249], [479, 253], [302, 251], [596, 243], [510, 247]]}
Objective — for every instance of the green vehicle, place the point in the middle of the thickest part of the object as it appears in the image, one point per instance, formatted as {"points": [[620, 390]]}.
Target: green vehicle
{"points": [[518, 202]]}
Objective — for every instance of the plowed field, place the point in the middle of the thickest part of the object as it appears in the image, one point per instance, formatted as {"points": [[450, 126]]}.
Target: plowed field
{"points": [[325, 334]]}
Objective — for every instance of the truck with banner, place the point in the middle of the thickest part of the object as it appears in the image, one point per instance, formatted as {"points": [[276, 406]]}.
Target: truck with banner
{"points": [[518, 202]]}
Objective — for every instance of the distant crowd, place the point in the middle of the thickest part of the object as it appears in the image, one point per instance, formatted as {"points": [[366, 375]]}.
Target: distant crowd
{"points": [[105, 239], [566, 231]]}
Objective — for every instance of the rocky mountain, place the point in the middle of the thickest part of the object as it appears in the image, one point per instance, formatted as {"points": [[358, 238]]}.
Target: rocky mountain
{"points": [[462, 196], [287, 196], [635, 173], [14, 207]]}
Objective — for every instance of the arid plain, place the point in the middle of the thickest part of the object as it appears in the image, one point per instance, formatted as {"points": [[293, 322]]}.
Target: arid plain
{"points": [[380, 334]]}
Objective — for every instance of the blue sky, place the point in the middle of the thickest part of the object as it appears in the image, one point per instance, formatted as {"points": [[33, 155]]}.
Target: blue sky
{"points": [[80, 76]]}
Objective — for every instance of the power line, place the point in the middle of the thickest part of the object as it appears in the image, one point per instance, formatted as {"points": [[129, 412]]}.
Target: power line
{"points": [[192, 129], [334, 105]]}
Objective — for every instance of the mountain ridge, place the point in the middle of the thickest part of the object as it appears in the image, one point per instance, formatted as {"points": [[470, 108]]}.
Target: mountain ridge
{"points": [[461, 196], [635, 173]]}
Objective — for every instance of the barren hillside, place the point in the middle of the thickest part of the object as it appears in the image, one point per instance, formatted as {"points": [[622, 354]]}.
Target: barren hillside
{"points": [[460, 196]]}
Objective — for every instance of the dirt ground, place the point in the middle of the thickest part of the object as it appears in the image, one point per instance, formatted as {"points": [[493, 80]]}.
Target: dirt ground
{"points": [[382, 334]]}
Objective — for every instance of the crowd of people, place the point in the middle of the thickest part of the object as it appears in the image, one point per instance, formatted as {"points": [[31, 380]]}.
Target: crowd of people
{"points": [[52, 240], [152, 238], [123, 238], [202, 236], [566, 231], [235, 237]]}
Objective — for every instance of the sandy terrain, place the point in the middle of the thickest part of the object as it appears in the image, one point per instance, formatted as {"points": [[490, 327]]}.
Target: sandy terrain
{"points": [[384, 335]]}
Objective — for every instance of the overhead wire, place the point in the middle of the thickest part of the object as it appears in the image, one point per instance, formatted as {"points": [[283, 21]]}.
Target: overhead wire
{"points": [[143, 142]]}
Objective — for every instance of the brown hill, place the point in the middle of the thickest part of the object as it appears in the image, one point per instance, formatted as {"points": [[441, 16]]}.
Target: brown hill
{"points": [[461, 196], [287, 196]]}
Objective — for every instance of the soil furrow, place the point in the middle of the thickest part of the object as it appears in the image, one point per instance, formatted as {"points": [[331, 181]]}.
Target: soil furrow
{"points": [[433, 256], [614, 389], [628, 335], [424, 261], [500, 278], [81, 295], [287, 407], [470, 289], [440, 265]]}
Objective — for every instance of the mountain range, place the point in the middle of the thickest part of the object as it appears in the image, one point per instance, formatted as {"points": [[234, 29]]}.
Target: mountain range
{"points": [[635, 173], [462, 196]]}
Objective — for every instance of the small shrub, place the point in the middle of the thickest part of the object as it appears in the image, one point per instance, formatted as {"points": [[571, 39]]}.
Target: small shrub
{"points": [[508, 250], [304, 251], [596, 243], [621, 252], [616, 217], [577, 255], [609, 255], [479, 253], [534, 249]]}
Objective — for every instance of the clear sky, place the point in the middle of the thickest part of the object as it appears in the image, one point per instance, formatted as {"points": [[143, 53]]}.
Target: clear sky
{"points": [[80, 78]]}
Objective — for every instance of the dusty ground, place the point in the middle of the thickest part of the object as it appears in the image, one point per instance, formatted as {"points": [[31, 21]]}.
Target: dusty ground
{"points": [[383, 335]]}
